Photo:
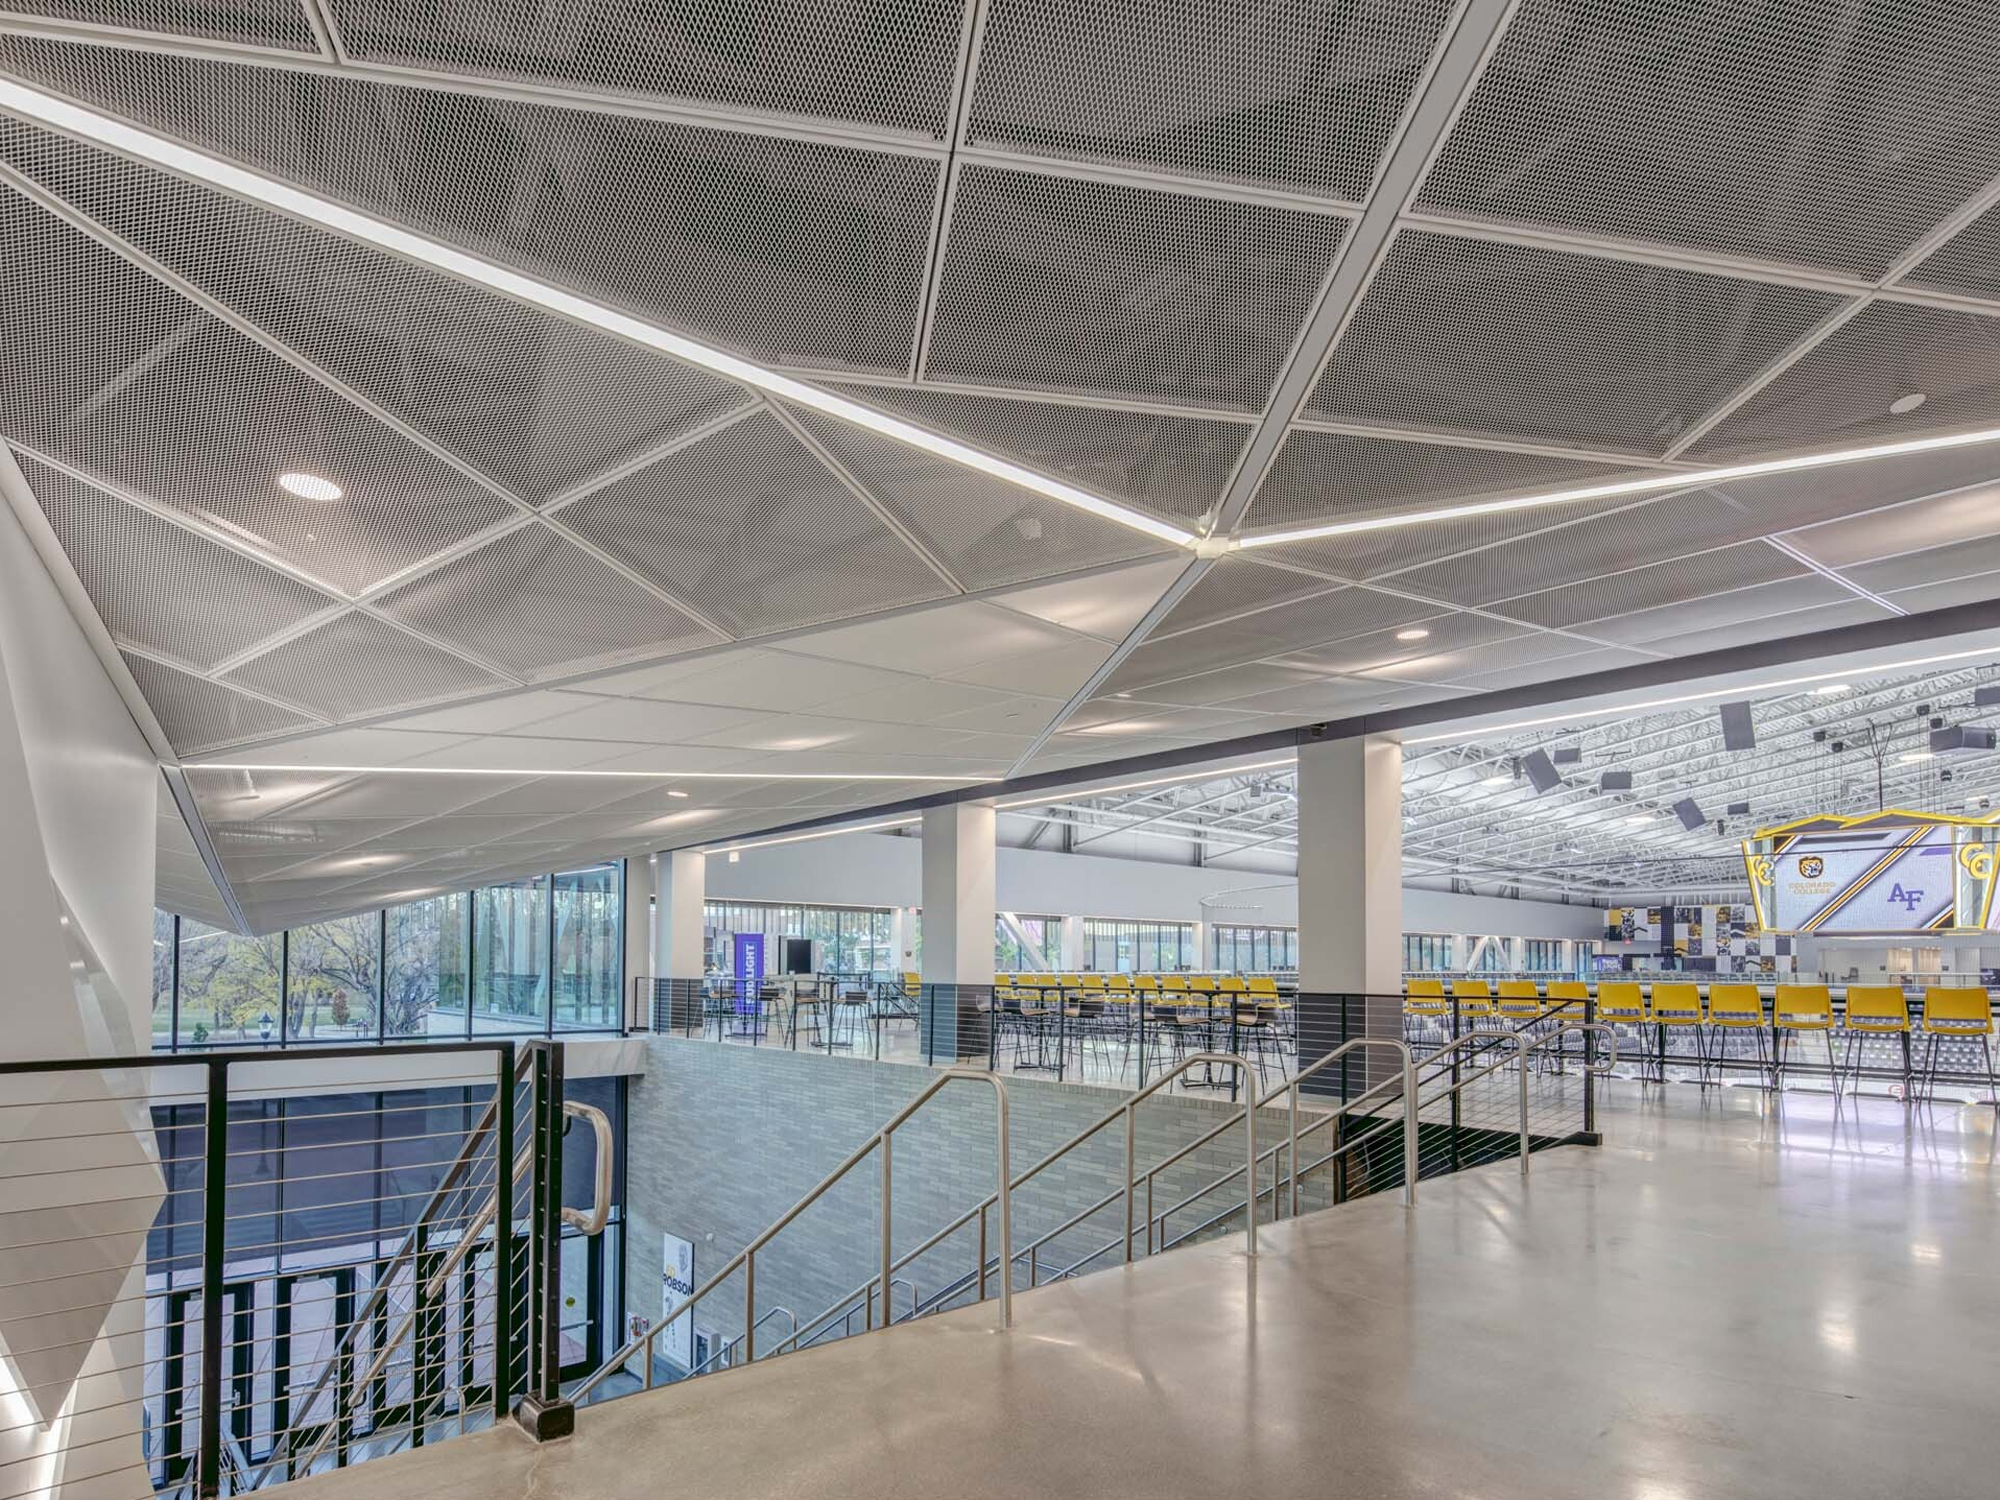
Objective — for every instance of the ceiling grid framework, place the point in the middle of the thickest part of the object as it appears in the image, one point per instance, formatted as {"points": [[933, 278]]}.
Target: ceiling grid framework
{"points": [[1234, 267]]}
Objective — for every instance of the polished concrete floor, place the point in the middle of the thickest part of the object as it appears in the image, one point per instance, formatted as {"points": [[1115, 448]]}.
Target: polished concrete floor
{"points": [[1725, 1300]]}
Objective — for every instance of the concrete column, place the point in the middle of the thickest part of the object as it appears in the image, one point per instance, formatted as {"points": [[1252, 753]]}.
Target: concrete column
{"points": [[902, 939], [638, 921], [958, 894], [1072, 944], [958, 929], [681, 883], [1350, 892], [1204, 956]]}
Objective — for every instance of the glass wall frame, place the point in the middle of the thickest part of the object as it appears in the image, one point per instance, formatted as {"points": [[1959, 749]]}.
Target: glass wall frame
{"points": [[1115, 945], [1241, 949], [853, 940], [403, 973]]}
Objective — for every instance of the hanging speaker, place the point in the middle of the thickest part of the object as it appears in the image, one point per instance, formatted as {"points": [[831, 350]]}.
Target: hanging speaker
{"points": [[1689, 814], [1615, 781], [1986, 697], [1736, 809], [1568, 755], [1541, 772], [1737, 731]]}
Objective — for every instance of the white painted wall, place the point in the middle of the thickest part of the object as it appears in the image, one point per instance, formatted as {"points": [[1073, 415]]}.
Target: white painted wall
{"points": [[882, 869], [78, 807]]}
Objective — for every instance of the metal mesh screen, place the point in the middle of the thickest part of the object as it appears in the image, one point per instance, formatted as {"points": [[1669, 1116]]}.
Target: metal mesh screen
{"points": [[1660, 583], [1322, 476], [141, 570], [1300, 94], [1432, 657], [1236, 586], [1474, 337], [880, 64], [535, 401], [790, 250], [1739, 606], [1968, 262], [1818, 133], [1287, 628], [531, 600], [356, 665], [987, 532], [198, 714], [1094, 286], [1170, 465], [1841, 392], [753, 530], [262, 23]]}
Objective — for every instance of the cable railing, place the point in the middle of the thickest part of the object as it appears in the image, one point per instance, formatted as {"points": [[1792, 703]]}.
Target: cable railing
{"points": [[212, 1282], [881, 1146]]}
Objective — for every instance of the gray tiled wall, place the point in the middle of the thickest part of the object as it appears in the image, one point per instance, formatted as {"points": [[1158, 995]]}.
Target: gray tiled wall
{"points": [[724, 1139]]}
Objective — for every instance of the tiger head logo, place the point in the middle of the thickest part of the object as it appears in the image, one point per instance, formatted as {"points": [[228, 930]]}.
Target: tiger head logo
{"points": [[1812, 867]]}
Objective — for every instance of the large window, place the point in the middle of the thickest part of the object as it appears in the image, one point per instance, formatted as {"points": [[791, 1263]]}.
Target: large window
{"points": [[1542, 956], [1118, 947], [1426, 952], [589, 932], [1256, 950], [231, 988], [850, 939], [333, 973], [1025, 944], [449, 966]]}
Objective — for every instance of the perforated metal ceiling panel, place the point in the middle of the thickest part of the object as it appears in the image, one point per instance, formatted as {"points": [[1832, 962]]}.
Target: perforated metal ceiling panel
{"points": [[534, 401], [1523, 342], [196, 713], [1098, 287], [1301, 94], [1330, 476], [1237, 586], [357, 665], [532, 600], [1686, 577], [1170, 465], [797, 251], [887, 65], [262, 23], [1842, 392], [143, 574], [985, 532], [754, 531], [1814, 131]]}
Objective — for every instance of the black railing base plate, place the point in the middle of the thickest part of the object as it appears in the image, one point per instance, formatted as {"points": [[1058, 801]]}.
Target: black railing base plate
{"points": [[544, 1423]]}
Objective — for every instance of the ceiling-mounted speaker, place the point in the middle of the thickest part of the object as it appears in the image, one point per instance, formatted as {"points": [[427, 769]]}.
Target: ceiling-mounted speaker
{"points": [[1689, 814], [1961, 737], [1737, 809], [1615, 781], [1541, 772], [1986, 697], [1568, 755], [1737, 731]]}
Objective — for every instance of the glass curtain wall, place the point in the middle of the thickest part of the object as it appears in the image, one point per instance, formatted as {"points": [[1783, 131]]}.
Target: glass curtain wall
{"points": [[1120, 947], [1256, 950], [471, 961], [852, 939], [1035, 948], [1424, 952]]}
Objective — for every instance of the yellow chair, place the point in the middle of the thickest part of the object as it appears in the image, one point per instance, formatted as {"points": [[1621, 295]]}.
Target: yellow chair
{"points": [[1874, 1010], [1620, 1002], [1736, 1007], [1519, 1000], [1264, 986], [1677, 1006], [1425, 997], [1957, 1011], [1474, 999], [1802, 1007]]}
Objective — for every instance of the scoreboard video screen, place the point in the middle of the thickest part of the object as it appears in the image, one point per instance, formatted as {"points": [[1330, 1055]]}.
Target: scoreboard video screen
{"points": [[1895, 878]]}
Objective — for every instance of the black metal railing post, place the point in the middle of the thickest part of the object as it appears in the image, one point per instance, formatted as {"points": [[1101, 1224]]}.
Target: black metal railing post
{"points": [[505, 1260], [214, 1246], [1456, 1096], [543, 1412], [1589, 1059]]}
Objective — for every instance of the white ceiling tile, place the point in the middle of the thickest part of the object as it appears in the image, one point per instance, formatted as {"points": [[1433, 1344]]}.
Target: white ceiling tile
{"points": [[641, 720], [1107, 606], [489, 716], [933, 641], [775, 680], [921, 701], [1059, 670]]}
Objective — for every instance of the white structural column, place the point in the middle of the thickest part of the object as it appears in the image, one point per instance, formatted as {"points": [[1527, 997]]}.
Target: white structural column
{"points": [[1350, 891], [958, 894], [680, 888], [958, 930]]}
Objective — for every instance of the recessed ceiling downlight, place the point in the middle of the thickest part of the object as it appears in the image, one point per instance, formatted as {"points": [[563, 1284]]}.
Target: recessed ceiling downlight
{"points": [[1414, 633], [309, 486], [1902, 406]]}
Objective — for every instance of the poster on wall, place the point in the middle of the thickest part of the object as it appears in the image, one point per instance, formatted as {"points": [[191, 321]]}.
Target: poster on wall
{"points": [[747, 965], [676, 1340]]}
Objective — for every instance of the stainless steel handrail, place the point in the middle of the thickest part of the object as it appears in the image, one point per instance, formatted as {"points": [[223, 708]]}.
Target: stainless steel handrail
{"points": [[746, 1258], [722, 1350]]}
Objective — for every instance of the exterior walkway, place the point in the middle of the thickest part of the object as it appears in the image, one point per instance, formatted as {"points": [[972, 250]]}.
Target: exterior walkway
{"points": [[1724, 1301]]}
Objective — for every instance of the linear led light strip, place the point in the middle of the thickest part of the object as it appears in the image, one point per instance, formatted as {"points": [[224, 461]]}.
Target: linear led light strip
{"points": [[800, 838], [241, 765], [62, 115], [1617, 711], [1133, 786]]}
